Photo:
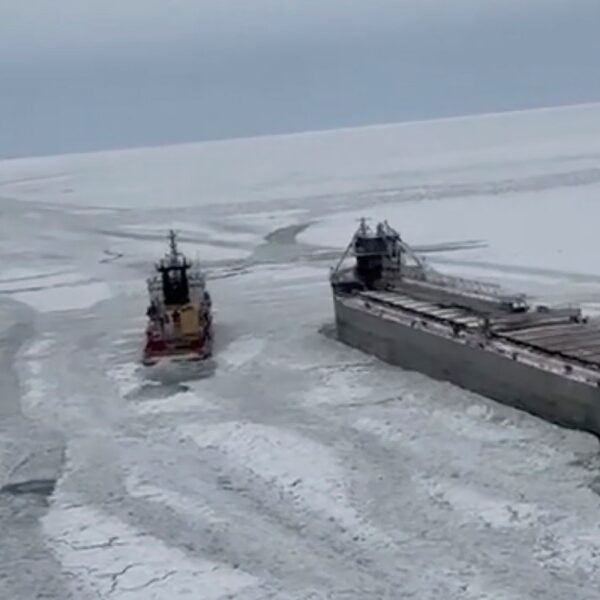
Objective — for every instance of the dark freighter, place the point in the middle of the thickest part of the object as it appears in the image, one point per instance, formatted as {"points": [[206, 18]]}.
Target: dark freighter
{"points": [[541, 359]]}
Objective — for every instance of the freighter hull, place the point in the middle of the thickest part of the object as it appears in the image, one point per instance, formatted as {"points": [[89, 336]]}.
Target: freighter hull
{"points": [[535, 386]]}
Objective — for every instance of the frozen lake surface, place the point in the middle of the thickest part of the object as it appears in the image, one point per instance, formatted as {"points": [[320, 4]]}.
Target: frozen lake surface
{"points": [[293, 468]]}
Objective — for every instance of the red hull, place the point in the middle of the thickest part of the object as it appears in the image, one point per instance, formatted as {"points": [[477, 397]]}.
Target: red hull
{"points": [[157, 349]]}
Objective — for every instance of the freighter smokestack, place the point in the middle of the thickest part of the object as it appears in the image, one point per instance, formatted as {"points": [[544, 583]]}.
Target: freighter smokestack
{"points": [[369, 250]]}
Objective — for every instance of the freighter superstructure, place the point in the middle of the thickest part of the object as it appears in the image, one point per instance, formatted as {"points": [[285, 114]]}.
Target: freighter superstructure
{"points": [[541, 359]]}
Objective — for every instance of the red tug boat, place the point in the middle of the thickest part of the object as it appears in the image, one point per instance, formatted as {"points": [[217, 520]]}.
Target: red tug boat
{"points": [[179, 314]]}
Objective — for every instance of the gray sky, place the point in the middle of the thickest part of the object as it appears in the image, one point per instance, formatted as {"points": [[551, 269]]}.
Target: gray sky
{"points": [[83, 75]]}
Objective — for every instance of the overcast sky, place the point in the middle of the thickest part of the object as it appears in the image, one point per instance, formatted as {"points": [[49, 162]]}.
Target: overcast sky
{"points": [[93, 74]]}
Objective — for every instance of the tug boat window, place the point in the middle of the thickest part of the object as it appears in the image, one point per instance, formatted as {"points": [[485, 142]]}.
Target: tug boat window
{"points": [[175, 287]]}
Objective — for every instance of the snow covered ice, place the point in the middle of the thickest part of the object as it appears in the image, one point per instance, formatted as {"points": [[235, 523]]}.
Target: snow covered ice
{"points": [[294, 468]]}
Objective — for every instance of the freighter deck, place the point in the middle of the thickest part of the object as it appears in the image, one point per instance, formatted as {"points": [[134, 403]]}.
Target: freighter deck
{"points": [[555, 333], [575, 341], [459, 316]]}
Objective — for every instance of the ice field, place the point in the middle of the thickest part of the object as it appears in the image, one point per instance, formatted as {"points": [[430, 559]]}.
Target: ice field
{"points": [[291, 467]]}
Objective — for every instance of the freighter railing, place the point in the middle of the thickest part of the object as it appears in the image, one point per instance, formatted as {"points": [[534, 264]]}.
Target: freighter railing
{"points": [[481, 289]]}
